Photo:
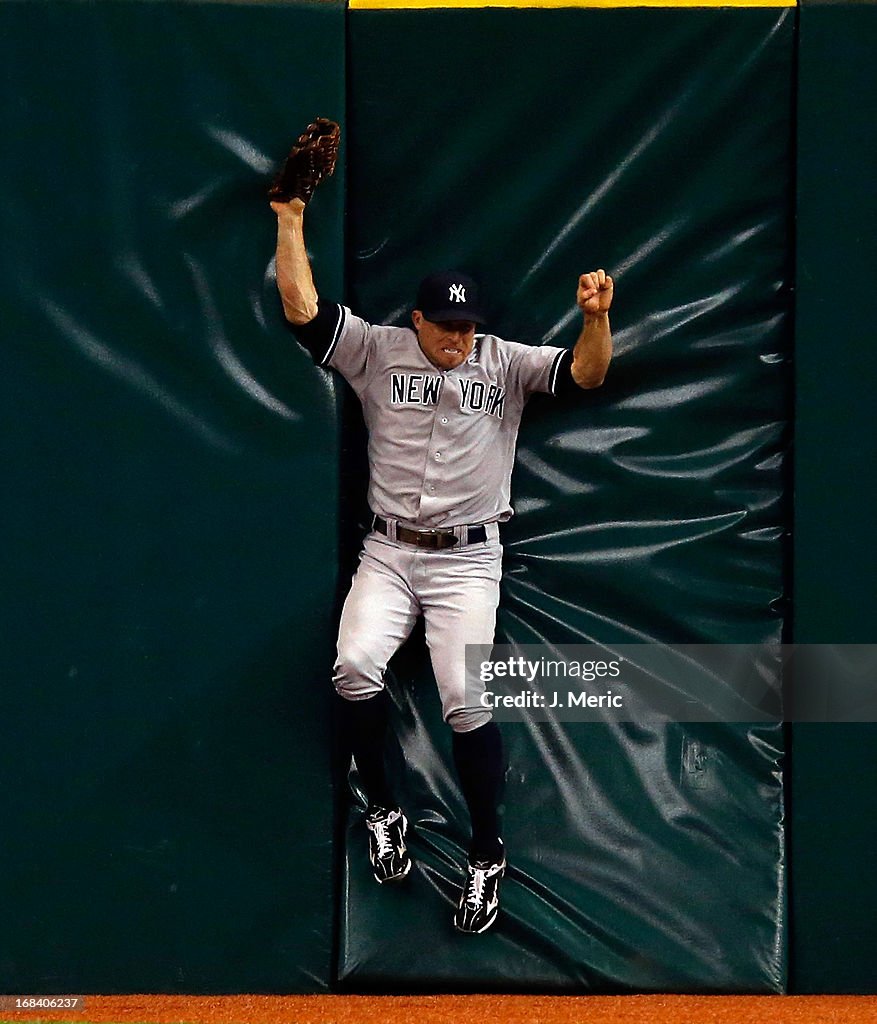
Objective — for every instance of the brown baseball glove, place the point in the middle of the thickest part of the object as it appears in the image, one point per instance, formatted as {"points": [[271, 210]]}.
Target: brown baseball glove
{"points": [[311, 159]]}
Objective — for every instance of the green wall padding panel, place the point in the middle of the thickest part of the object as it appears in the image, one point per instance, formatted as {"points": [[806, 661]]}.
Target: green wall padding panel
{"points": [[834, 815], [168, 575], [526, 147]]}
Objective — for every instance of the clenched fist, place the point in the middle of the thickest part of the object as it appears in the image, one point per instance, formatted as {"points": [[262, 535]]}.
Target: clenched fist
{"points": [[594, 293]]}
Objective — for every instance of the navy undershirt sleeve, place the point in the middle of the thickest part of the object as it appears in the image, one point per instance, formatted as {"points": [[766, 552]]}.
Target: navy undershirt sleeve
{"points": [[564, 385], [317, 334]]}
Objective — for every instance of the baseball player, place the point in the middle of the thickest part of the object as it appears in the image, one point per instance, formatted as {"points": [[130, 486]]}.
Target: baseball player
{"points": [[442, 405]]}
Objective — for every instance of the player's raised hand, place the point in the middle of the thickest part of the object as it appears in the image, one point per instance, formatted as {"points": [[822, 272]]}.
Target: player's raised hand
{"points": [[594, 293]]}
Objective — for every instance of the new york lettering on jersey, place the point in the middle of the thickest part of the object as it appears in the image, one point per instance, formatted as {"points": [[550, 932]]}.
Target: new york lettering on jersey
{"points": [[415, 388], [476, 397], [424, 389]]}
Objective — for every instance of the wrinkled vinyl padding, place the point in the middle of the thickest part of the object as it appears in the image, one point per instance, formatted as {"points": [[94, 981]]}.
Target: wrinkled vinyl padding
{"points": [[644, 856], [168, 519]]}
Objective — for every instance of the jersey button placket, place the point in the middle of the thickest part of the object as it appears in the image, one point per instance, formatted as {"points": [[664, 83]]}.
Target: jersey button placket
{"points": [[438, 442]]}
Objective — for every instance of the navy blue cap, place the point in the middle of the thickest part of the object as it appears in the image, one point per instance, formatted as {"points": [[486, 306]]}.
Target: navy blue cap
{"points": [[450, 295]]}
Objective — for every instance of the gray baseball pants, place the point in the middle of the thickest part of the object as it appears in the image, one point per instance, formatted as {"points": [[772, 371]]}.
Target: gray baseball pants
{"points": [[457, 592]]}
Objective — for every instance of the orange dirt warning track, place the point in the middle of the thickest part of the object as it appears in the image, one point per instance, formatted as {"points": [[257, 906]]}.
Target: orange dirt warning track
{"points": [[469, 1009]]}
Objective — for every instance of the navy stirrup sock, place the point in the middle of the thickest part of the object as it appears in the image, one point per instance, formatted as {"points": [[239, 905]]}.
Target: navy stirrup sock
{"points": [[479, 761], [363, 731]]}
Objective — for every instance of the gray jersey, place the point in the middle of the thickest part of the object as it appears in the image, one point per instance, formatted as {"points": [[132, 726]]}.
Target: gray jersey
{"points": [[441, 442]]}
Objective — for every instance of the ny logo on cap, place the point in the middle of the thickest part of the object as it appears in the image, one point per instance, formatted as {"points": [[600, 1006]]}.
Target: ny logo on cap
{"points": [[458, 293]]}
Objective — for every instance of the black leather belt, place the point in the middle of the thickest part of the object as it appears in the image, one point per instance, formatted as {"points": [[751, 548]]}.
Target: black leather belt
{"points": [[433, 540]]}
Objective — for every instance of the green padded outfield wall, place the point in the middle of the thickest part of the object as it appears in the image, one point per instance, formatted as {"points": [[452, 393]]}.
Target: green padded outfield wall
{"points": [[527, 146], [834, 813], [169, 496], [163, 716]]}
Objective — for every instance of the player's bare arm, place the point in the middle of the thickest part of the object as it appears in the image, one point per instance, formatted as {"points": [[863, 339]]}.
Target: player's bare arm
{"points": [[310, 161], [593, 349], [294, 279]]}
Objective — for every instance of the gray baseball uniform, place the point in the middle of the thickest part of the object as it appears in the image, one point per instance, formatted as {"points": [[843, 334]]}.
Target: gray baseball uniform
{"points": [[441, 450]]}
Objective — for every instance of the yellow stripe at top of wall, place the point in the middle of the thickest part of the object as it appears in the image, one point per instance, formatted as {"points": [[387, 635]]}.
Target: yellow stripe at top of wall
{"points": [[383, 5]]}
